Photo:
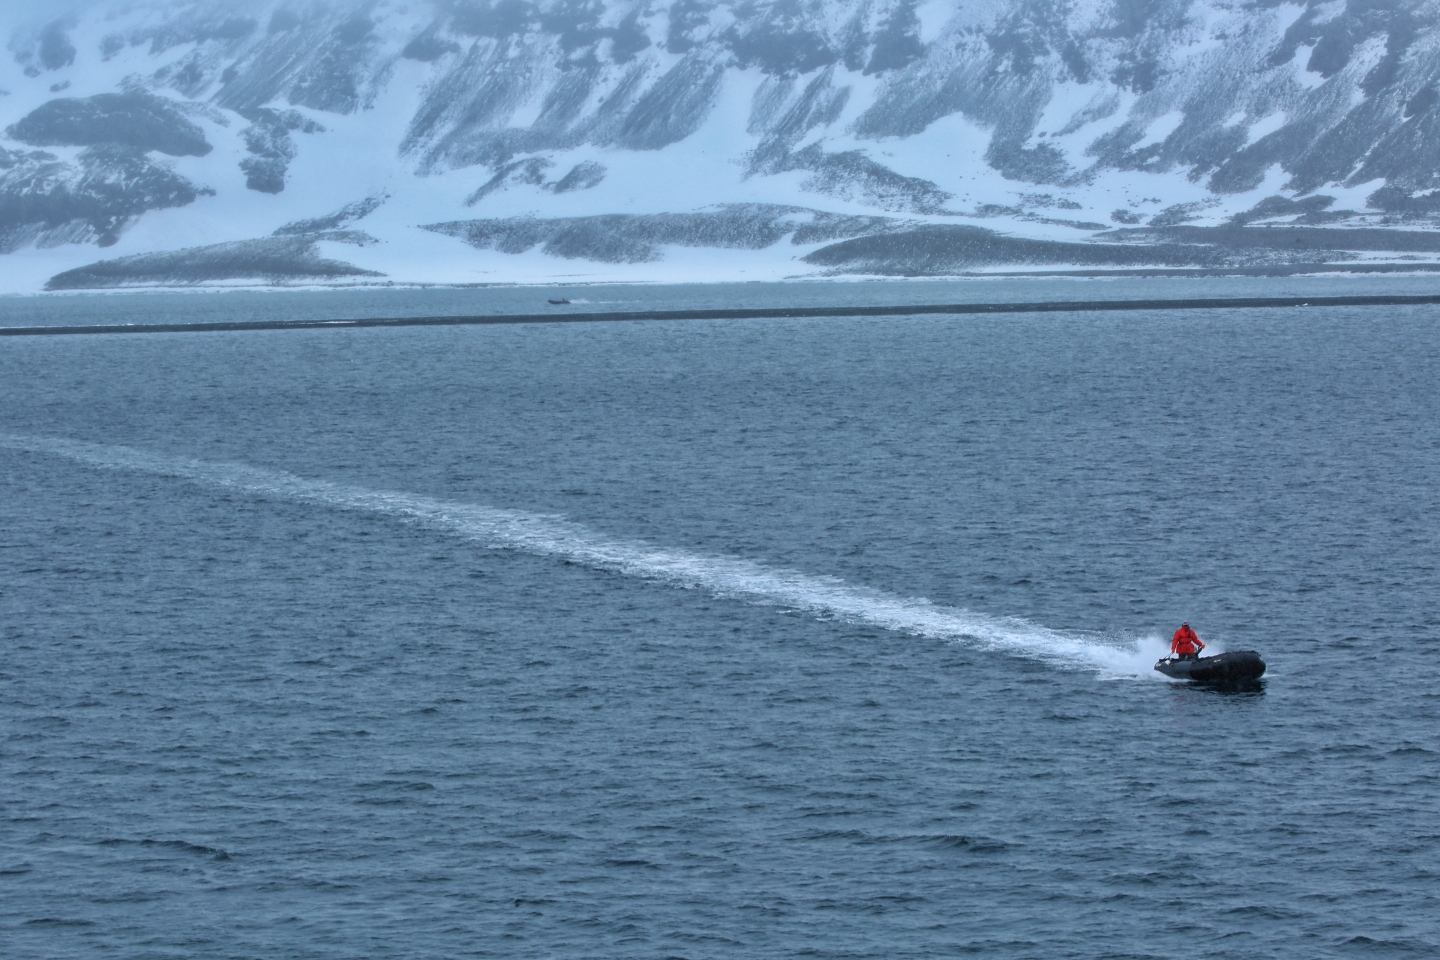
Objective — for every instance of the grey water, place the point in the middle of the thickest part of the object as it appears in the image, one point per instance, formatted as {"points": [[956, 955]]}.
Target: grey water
{"points": [[822, 637]]}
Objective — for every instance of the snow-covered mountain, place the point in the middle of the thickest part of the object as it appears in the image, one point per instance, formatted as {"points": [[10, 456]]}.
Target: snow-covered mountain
{"points": [[476, 141]]}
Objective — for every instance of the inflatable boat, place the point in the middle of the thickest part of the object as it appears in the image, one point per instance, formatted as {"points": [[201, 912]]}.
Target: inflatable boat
{"points": [[1233, 666]]}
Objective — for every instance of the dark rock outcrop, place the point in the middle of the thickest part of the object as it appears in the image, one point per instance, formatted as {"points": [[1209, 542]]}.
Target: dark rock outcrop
{"points": [[582, 176], [270, 260], [268, 139], [635, 238], [528, 171], [48, 201], [138, 120], [941, 250], [341, 218], [532, 170], [783, 114], [55, 49]]}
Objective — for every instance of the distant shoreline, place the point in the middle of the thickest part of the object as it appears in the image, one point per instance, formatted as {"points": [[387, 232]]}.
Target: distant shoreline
{"points": [[1277, 271], [761, 313]]}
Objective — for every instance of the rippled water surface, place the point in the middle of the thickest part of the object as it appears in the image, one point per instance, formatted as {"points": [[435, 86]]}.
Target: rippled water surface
{"points": [[719, 639]]}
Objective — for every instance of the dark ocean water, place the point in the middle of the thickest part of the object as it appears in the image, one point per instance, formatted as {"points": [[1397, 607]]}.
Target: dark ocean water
{"points": [[822, 638]]}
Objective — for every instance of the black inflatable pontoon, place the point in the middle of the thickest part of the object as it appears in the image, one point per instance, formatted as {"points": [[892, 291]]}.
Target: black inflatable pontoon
{"points": [[1233, 666]]}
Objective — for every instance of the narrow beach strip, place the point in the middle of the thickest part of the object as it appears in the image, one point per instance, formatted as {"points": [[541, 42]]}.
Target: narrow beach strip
{"points": [[764, 313]]}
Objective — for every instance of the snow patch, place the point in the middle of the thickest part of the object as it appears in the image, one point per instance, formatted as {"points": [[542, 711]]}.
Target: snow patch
{"points": [[1299, 68], [1326, 12], [1161, 127], [1264, 127], [934, 15]]}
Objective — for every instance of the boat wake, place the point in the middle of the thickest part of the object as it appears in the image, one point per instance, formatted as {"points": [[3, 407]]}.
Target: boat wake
{"points": [[550, 535]]}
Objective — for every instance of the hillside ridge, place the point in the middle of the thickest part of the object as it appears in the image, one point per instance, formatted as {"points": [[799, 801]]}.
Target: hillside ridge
{"points": [[180, 142]]}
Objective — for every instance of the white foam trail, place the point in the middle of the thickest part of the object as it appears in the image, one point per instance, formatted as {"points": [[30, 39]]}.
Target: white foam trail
{"points": [[548, 535]]}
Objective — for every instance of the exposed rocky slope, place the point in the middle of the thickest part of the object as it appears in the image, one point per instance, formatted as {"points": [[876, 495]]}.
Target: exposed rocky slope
{"points": [[535, 139]]}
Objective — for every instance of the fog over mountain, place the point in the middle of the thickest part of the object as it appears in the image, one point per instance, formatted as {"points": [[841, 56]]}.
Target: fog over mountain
{"points": [[492, 141]]}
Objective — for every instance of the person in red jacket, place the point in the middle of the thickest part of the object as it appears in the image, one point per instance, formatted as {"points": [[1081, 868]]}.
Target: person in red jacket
{"points": [[1185, 644]]}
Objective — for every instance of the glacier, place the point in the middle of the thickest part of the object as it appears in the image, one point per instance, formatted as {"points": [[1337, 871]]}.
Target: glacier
{"points": [[179, 143]]}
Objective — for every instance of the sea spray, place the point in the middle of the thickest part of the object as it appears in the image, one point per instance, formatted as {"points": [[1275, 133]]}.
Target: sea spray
{"points": [[551, 535]]}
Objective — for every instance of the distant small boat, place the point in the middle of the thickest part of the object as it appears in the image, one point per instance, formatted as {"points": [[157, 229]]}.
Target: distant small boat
{"points": [[559, 303]]}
